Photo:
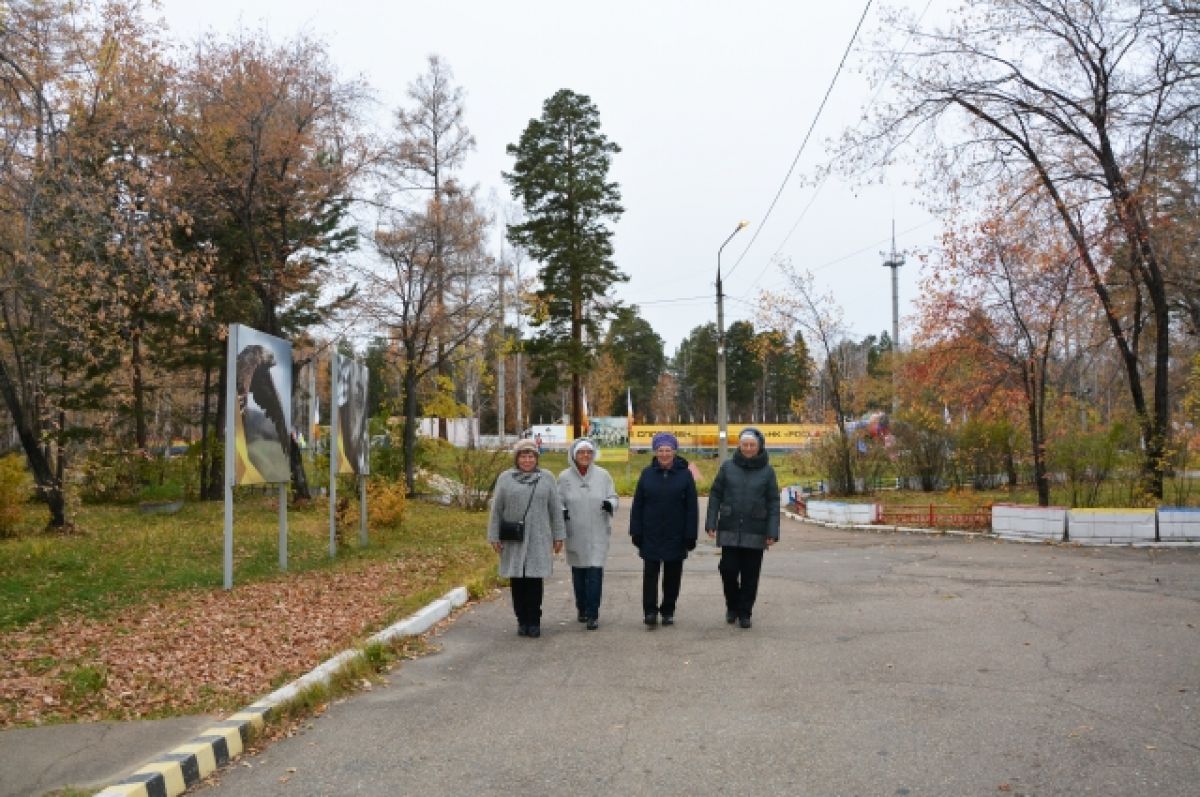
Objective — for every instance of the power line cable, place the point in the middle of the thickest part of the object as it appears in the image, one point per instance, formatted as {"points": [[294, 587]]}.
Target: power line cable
{"points": [[821, 183], [807, 136]]}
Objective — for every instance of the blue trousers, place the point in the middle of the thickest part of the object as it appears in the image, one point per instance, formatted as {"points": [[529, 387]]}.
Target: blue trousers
{"points": [[589, 584]]}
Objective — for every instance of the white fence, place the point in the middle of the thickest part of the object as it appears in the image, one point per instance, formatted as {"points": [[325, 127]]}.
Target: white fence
{"points": [[1051, 523]]}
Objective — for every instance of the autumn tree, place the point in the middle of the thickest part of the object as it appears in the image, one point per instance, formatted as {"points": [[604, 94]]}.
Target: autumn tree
{"points": [[140, 294], [1080, 95], [819, 318], [560, 176], [430, 142], [36, 56], [269, 148], [89, 227], [663, 407], [434, 307], [1005, 287], [605, 385]]}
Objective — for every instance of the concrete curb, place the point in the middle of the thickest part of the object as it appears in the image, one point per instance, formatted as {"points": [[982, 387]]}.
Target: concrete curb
{"points": [[174, 772], [987, 535], [879, 528]]}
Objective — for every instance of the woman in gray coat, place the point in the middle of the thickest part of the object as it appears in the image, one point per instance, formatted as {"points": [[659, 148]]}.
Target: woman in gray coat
{"points": [[743, 514], [529, 494], [589, 499]]}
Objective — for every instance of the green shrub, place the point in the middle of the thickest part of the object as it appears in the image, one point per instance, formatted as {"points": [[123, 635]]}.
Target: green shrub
{"points": [[476, 470], [108, 476], [923, 446], [386, 502], [1087, 460], [834, 458]]}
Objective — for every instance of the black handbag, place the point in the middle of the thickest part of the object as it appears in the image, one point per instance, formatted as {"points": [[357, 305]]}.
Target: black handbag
{"points": [[514, 530]]}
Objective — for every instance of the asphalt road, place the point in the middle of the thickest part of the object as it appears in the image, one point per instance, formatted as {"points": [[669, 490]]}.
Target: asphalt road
{"points": [[878, 664]]}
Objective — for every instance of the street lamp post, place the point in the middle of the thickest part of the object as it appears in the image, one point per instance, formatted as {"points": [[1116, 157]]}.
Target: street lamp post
{"points": [[722, 408]]}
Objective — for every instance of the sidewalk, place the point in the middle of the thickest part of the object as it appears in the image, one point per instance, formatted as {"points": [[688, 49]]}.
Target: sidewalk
{"points": [[34, 761]]}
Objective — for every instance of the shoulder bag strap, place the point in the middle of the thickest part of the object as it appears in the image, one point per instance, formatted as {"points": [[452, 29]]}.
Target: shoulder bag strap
{"points": [[532, 492]]}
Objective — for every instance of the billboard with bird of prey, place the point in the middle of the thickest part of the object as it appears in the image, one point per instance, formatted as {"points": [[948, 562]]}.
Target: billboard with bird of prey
{"points": [[263, 415], [350, 385]]}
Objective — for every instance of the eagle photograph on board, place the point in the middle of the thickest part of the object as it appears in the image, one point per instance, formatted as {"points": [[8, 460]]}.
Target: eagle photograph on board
{"points": [[263, 373], [352, 383]]}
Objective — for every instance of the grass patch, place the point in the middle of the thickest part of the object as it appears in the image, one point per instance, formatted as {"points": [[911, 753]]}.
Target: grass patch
{"points": [[356, 674], [84, 681], [123, 558]]}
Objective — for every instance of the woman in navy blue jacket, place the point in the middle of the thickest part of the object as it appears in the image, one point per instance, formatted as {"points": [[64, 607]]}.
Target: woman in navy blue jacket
{"points": [[664, 524]]}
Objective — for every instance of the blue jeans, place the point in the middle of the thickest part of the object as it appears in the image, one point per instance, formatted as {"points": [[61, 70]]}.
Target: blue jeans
{"points": [[588, 583]]}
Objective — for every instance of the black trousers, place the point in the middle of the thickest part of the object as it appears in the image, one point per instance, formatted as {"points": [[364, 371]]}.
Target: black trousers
{"points": [[672, 575], [740, 568], [527, 600]]}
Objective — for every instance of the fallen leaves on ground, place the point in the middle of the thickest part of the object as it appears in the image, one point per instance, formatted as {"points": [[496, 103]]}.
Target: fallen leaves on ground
{"points": [[195, 652]]}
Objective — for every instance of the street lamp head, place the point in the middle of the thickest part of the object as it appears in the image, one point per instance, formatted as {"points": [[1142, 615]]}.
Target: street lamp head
{"points": [[743, 224]]}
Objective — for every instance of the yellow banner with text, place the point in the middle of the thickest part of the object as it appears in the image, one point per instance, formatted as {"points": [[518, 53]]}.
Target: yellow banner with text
{"points": [[704, 435]]}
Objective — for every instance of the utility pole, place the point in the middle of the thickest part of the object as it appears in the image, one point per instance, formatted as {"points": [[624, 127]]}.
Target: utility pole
{"points": [[501, 355], [894, 263], [722, 407], [517, 288]]}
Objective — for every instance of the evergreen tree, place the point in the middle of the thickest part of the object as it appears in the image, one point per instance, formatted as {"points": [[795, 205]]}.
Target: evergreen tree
{"points": [[635, 345], [560, 177], [696, 370], [744, 370]]}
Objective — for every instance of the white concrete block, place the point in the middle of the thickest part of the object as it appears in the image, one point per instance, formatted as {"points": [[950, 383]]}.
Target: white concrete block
{"points": [[1111, 526], [842, 512], [1178, 524], [1029, 522]]}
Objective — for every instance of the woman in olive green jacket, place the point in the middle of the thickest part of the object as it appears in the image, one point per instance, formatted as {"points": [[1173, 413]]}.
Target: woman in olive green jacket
{"points": [[743, 515]]}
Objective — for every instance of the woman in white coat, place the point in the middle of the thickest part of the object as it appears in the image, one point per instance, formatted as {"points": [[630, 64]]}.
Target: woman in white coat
{"points": [[589, 500]]}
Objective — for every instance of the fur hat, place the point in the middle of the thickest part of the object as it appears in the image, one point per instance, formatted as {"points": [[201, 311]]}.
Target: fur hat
{"points": [[524, 445], [664, 439]]}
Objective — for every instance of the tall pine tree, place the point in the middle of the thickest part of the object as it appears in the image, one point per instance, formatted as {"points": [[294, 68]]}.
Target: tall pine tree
{"points": [[561, 178]]}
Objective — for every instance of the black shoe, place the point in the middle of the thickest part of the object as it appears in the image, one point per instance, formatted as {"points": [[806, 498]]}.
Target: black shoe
{"points": [[730, 616], [522, 630], [582, 617], [668, 619], [744, 622], [593, 624], [535, 631], [651, 619]]}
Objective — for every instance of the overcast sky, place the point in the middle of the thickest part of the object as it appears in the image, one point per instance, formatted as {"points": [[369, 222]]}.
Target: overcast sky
{"points": [[709, 102]]}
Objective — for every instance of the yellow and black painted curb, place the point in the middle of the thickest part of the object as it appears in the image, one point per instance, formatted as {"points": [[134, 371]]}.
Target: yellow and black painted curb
{"points": [[174, 772]]}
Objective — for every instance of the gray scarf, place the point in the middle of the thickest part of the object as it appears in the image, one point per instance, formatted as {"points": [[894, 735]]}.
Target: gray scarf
{"points": [[526, 477]]}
